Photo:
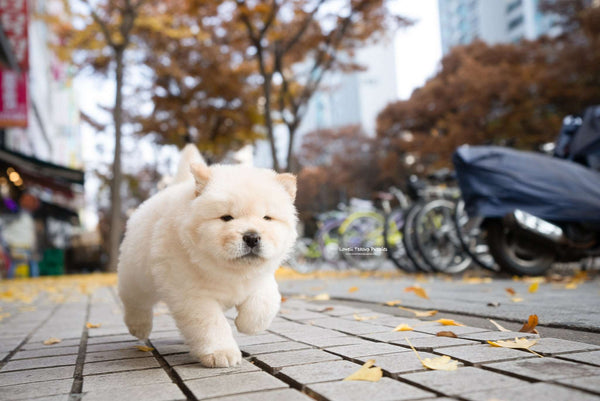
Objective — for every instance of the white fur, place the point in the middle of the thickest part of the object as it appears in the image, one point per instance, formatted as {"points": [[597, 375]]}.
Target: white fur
{"points": [[177, 249]]}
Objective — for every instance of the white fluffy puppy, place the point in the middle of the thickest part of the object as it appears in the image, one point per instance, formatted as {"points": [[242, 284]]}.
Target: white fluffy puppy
{"points": [[210, 241]]}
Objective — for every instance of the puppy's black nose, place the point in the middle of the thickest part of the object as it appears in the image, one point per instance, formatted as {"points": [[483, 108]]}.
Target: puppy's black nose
{"points": [[251, 238]]}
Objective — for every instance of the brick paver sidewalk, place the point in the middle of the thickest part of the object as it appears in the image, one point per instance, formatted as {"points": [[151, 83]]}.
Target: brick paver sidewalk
{"points": [[306, 353]]}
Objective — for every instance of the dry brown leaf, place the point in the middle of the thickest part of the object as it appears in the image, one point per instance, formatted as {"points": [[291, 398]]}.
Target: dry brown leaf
{"points": [[518, 343], [52, 340], [443, 362], [363, 318], [352, 289], [393, 302], [534, 287], [329, 308], [418, 313], [366, 373], [419, 291], [510, 291], [498, 325], [93, 325], [446, 334], [283, 299], [403, 327], [144, 348], [449, 322], [530, 324], [493, 304]]}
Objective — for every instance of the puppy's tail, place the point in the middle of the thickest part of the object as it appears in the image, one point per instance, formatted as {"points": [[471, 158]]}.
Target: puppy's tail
{"points": [[189, 155]]}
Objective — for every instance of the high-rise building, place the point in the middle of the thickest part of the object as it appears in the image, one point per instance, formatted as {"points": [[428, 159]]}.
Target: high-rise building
{"points": [[493, 21]]}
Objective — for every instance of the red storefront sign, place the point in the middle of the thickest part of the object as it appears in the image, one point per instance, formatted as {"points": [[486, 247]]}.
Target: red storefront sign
{"points": [[14, 19], [13, 98]]}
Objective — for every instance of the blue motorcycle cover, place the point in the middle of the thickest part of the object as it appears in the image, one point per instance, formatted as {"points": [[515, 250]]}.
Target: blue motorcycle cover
{"points": [[495, 181]]}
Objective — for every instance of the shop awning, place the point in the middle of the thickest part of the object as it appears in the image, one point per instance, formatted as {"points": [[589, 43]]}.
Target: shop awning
{"points": [[36, 167]]}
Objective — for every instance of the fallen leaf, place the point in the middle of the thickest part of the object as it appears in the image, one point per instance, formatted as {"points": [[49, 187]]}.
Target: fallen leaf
{"points": [[517, 299], [366, 373], [533, 287], [498, 325], [403, 327], [329, 308], [518, 343], [352, 289], [320, 297], [419, 291], [363, 318], [52, 340], [93, 325], [571, 286], [529, 326], [476, 280], [283, 299], [144, 348], [446, 334], [449, 322], [443, 362], [418, 313], [493, 304], [511, 291], [393, 303]]}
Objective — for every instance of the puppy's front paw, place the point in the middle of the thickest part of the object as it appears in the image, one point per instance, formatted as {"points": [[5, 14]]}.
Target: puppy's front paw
{"points": [[139, 326], [222, 358]]}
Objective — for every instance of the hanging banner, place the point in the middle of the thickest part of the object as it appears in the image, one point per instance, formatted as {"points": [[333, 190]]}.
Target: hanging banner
{"points": [[13, 98], [14, 21]]}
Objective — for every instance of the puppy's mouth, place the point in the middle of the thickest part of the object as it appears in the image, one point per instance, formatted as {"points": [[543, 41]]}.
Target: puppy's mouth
{"points": [[251, 255]]}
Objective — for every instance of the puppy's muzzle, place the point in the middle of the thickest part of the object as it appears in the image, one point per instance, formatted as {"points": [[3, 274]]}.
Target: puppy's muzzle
{"points": [[251, 238]]}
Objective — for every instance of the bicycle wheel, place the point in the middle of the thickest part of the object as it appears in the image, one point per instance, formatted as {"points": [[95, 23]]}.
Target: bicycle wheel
{"points": [[473, 238], [409, 240], [362, 240], [328, 238], [396, 251], [437, 237]]}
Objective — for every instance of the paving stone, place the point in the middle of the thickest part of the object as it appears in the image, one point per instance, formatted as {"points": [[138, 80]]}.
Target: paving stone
{"points": [[40, 344], [404, 362], [432, 342], [394, 321], [497, 335], [170, 334], [286, 327], [116, 355], [593, 357], [149, 392], [535, 391], [125, 379], [349, 326], [332, 341], [113, 346], [45, 362], [554, 346], [280, 359], [217, 386], [461, 381], [354, 351], [110, 339], [458, 330], [391, 336], [589, 383], [320, 372], [197, 371], [258, 339], [60, 397], [274, 347], [36, 375], [28, 391], [287, 394], [544, 369], [310, 332], [119, 365], [39, 353], [385, 389], [180, 359], [483, 353], [300, 314]]}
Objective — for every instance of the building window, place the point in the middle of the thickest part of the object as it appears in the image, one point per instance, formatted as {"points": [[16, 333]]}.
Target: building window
{"points": [[515, 23], [513, 5]]}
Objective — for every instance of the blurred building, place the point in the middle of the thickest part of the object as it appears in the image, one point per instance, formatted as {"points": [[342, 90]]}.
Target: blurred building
{"points": [[41, 177], [344, 99], [493, 21]]}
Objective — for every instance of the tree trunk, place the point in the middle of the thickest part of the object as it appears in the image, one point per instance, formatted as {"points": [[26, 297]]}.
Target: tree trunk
{"points": [[290, 158], [269, 121], [116, 226]]}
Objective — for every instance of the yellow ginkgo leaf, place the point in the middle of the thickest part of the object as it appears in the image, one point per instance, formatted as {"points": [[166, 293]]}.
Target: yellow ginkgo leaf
{"points": [[403, 327], [534, 287], [418, 313], [52, 340], [571, 286], [92, 325], [363, 318], [443, 362], [449, 322], [393, 302], [519, 343], [498, 325], [321, 297], [352, 289], [144, 348], [366, 373], [419, 291], [517, 299]]}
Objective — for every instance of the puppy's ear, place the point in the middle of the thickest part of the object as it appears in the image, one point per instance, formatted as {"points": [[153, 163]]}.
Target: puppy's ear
{"points": [[201, 174], [289, 183]]}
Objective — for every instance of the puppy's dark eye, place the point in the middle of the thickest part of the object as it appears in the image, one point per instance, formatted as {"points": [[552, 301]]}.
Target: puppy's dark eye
{"points": [[267, 218], [226, 217]]}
